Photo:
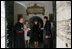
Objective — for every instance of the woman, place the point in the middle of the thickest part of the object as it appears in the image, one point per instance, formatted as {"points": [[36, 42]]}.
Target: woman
{"points": [[36, 33], [19, 33], [27, 38]]}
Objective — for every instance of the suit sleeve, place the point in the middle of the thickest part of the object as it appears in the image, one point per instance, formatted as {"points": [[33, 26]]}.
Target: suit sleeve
{"points": [[48, 28]]}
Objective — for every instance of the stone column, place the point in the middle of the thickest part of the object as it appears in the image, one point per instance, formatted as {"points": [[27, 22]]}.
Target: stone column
{"points": [[63, 24]]}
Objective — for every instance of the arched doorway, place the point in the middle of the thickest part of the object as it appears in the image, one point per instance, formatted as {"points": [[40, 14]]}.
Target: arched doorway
{"points": [[36, 18]]}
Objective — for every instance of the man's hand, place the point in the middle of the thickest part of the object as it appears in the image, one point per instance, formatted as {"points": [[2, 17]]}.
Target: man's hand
{"points": [[22, 28], [46, 37], [42, 28]]}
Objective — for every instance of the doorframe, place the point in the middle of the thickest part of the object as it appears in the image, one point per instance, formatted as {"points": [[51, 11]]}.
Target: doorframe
{"points": [[54, 22]]}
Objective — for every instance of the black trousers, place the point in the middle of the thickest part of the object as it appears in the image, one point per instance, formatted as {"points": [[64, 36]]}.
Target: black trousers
{"points": [[47, 43]]}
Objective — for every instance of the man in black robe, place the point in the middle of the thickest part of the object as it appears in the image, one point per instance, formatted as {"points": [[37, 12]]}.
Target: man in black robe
{"points": [[19, 34]]}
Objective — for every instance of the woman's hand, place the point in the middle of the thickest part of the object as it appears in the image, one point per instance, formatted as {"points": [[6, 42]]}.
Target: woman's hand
{"points": [[22, 28], [46, 37], [27, 30]]}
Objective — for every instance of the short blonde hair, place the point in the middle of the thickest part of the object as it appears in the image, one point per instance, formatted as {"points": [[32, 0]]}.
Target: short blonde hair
{"points": [[25, 21]]}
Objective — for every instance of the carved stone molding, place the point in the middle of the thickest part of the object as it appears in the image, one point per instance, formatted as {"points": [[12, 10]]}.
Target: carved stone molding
{"points": [[35, 9]]}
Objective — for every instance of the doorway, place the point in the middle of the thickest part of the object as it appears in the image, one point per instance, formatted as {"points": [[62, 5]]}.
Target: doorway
{"points": [[10, 20]]}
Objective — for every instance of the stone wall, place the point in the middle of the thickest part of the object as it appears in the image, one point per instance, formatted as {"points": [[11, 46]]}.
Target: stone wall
{"points": [[21, 6], [19, 9], [63, 24]]}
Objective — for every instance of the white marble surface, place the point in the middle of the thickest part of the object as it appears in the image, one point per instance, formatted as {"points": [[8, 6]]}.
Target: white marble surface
{"points": [[2, 24], [63, 24]]}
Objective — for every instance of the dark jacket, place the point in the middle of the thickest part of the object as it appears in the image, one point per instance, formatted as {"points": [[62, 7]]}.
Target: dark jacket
{"points": [[47, 28], [35, 32], [18, 27]]}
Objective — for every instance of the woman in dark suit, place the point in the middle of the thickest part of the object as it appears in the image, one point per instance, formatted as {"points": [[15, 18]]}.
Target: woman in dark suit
{"points": [[36, 33]]}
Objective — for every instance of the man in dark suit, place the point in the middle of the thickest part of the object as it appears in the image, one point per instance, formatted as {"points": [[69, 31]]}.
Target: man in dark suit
{"points": [[47, 32]]}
